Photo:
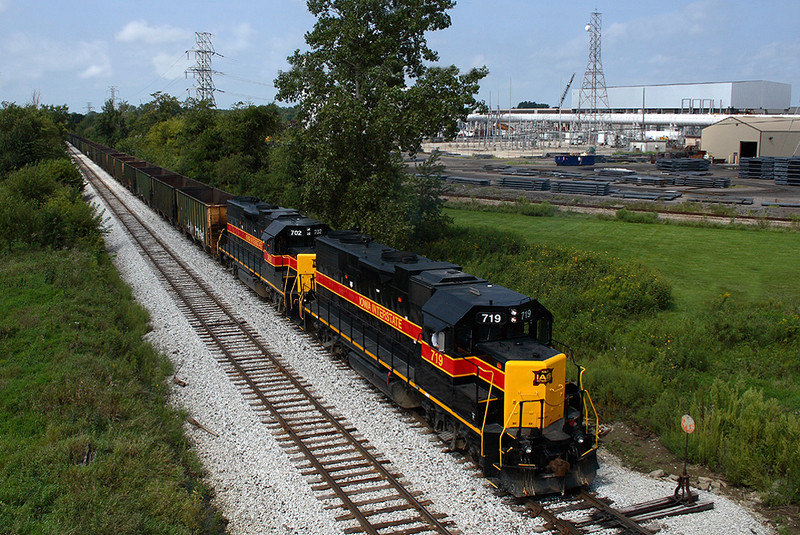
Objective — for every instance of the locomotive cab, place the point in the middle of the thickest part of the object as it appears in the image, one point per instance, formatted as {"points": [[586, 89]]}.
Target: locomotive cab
{"points": [[534, 435], [270, 246], [289, 244]]}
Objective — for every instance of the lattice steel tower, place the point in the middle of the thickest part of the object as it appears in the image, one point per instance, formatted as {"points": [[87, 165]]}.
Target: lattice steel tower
{"points": [[593, 108], [202, 71]]}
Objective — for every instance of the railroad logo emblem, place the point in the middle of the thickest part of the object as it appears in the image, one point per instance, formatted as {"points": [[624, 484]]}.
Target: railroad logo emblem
{"points": [[542, 377]]}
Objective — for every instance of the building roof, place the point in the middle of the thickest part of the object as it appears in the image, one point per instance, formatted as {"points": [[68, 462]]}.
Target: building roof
{"points": [[765, 124]]}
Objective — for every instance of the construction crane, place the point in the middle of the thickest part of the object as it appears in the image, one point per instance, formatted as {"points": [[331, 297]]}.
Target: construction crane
{"points": [[564, 94], [560, 103]]}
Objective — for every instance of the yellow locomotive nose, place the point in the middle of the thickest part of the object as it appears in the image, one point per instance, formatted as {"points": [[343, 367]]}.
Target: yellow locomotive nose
{"points": [[535, 390]]}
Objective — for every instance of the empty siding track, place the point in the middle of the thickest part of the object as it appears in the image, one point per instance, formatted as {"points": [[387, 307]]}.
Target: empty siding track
{"points": [[344, 468], [583, 512]]}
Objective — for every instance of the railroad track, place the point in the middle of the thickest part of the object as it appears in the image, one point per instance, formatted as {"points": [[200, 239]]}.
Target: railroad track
{"points": [[347, 473], [583, 512]]}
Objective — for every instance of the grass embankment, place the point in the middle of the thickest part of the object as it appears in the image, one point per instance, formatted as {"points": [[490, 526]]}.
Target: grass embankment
{"points": [[88, 443], [700, 262], [669, 319]]}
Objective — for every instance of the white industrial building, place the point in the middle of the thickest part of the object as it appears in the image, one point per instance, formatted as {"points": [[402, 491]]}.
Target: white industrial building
{"points": [[756, 96]]}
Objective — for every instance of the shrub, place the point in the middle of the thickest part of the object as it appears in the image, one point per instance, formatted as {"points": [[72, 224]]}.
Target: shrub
{"points": [[637, 217], [64, 172], [31, 184], [41, 205]]}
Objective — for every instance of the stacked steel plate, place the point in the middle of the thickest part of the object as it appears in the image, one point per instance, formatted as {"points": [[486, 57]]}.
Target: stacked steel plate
{"points": [[761, 168], [614, 171], [645, 180], [683, 164], [646, 195], [580, 188], [787, 171], [700, 181], [531, 184]]}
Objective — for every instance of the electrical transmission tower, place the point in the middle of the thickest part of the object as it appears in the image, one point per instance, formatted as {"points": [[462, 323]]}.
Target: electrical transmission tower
{"points": [[593, 108], [202, 71], [112, 89]]}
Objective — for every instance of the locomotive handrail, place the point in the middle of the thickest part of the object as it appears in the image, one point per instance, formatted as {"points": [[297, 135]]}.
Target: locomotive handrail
{"points": [[219, 239], [285, 288], [510, 416], [486, 412], [586, 411]]}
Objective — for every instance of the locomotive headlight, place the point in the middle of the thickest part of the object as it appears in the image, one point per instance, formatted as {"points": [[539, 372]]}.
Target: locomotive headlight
{"points": [[513, 320], [528, 450], [513, 311], [581, 439]]}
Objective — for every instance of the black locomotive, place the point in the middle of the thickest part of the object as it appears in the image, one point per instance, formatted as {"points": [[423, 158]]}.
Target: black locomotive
{"points": [[478, 358]]}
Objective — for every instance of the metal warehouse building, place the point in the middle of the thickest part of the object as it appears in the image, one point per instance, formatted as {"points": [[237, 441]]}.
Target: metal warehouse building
{"points": [[750, 136], [760, 96]]}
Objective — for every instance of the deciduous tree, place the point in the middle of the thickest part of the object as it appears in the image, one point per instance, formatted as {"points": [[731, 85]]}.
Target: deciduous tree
{"points": [[368, 91]]}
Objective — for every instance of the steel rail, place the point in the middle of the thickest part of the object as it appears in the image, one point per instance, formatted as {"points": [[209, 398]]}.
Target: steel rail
{"points": [[617, 516]]}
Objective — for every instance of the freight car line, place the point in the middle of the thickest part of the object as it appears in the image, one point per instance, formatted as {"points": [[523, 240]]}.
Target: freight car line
{"points": [[371, 493]]}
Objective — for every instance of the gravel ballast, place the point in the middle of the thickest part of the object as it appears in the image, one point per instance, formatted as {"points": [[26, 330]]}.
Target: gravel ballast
{"points": [[258, 487]]}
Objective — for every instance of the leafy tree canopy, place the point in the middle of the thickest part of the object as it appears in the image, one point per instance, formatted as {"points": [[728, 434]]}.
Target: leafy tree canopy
{"points": [[532, 104], [366, 93], [29, 134]]}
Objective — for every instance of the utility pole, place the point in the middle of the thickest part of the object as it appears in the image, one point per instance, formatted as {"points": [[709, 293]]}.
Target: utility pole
{"points": [[593, 108], [202, 71], [89, 108]]}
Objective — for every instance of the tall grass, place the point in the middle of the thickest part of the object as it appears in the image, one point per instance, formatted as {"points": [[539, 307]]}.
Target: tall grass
{"points": [[87, 441]]}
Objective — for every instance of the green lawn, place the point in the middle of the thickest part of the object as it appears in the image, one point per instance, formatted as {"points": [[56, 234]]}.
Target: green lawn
{"points": [[700, 262]]}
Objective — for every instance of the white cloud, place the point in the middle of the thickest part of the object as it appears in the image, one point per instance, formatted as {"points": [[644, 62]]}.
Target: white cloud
{"points": [[242, 35], [141, 31], [30, 59], [94, 54]]}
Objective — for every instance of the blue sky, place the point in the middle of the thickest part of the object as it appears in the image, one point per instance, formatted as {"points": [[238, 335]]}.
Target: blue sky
{"points": [[73, 52]]}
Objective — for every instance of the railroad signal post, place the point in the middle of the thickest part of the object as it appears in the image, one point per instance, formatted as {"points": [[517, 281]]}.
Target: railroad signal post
{"points": [[683, 494]]}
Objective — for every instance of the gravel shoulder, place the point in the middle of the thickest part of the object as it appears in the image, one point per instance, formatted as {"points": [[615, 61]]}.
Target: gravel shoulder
{"points": [[258, 487]]}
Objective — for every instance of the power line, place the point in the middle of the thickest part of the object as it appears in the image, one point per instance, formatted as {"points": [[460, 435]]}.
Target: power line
{"points": [[244, 96], [240, 79], [163, 75]]}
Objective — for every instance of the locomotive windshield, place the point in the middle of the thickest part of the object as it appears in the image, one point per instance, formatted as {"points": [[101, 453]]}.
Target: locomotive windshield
{"points": [[493, 325]]}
